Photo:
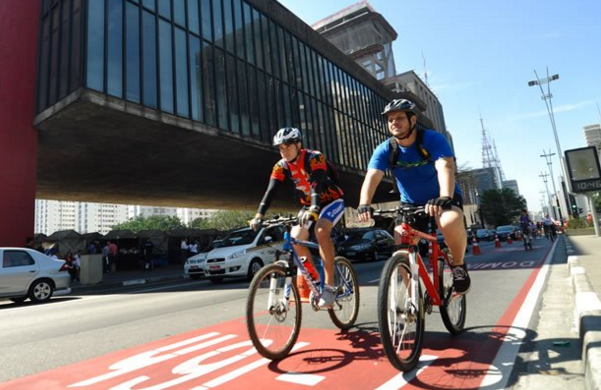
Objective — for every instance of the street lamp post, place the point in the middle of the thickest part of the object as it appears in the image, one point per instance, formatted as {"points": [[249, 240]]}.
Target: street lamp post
{"points": [[549, 104], [547, 157], [551, 208]]}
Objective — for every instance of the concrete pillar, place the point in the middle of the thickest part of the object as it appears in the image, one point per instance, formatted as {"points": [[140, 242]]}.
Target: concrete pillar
{"points": [[19, 28]]}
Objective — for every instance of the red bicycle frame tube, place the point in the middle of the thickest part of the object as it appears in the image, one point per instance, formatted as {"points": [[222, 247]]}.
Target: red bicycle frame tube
{"points": [[408, 235]]}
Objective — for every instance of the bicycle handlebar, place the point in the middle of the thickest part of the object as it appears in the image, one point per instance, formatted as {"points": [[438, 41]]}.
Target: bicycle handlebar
{"points": [[405, 210], [278, 221]]}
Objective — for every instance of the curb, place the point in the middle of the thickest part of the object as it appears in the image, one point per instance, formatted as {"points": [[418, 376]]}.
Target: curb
{"points": [[128, 282], [587, 309]]}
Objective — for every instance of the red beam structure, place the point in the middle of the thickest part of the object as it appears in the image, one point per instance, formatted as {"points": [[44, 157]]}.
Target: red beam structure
{"points": [[19, 32]]}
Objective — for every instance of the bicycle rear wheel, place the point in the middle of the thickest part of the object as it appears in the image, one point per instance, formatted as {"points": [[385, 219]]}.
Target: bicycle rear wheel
{"points": [[345, 310], [454, 311], [401, 322], [272, 319]]}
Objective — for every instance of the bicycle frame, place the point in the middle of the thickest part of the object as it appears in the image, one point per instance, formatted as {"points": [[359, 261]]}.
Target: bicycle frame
{"points": [[408, 238], [294, 259]]}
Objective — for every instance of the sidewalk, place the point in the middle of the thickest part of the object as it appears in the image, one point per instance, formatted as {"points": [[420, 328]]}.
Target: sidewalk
{"points": [[131, 277], [584, 262]]}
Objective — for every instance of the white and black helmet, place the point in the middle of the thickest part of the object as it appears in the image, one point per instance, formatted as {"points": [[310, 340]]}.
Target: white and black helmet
{"points": [[401, 105], [286, 135]]}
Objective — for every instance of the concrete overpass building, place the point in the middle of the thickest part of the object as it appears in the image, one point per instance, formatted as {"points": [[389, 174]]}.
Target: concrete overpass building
{"points": [[170, 103]]}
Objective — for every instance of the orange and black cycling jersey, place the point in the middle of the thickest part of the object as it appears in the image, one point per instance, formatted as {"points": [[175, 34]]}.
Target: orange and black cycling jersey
{"points": [[309, 173]]}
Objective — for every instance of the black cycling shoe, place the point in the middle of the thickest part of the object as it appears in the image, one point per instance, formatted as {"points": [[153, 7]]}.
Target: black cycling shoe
{"points": [[461, 279]]}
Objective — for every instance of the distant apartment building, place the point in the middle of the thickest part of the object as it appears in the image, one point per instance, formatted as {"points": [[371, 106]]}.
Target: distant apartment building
{"points": [[512, 184], [87, 217], [56, 215], [187, 215], [592, 135], [100, 217], [410, 81], [487, 179], [366, 37]]}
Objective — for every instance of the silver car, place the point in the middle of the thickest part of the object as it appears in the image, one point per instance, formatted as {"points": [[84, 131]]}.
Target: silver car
{"points": [[26, 273]]}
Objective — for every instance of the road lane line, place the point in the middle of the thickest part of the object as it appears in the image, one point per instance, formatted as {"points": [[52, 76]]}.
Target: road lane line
{"points": [[403, 378], [504, 361], [300, 378]]}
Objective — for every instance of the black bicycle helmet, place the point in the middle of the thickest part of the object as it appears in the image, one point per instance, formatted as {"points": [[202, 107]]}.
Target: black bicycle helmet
{"points": [[287, 135], [401, 105]]}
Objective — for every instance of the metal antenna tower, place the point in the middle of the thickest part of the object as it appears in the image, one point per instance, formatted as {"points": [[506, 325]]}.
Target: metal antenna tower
{"points": [[488, 160], [498, 160]]}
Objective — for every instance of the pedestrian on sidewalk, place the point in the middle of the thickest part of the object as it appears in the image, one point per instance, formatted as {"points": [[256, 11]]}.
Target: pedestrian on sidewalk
{"points": [[105, 258]]}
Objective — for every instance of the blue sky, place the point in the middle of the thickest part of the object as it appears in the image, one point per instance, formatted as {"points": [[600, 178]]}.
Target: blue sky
{"points": [[480, 56]]}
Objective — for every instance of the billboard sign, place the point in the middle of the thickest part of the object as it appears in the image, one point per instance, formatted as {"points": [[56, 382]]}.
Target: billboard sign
{"points": [[583, 169]]}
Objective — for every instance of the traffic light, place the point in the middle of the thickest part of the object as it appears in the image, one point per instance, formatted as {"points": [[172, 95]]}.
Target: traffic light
{"points": [[575, 210]]}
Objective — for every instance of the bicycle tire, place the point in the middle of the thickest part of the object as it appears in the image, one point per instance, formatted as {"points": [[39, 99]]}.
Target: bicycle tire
{"points": [[346, 305], [273, 331], [395, 340], [453, 313]]}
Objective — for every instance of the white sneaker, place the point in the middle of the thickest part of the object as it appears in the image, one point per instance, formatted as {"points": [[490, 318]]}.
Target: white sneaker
{"points": [[327, 297]]}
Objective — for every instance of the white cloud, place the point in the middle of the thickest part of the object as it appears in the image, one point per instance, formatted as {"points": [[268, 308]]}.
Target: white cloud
{"points": [[564, 108], [451, 86]]}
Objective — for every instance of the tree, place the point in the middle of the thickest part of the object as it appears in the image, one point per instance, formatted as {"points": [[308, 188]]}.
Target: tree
{"points": [[231, 219], [153, 222], [501, 207]]}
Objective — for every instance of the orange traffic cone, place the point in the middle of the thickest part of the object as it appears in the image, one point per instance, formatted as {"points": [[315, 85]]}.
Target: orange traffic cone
{"points": [[497, 242], [509, 240], [476, 247]]}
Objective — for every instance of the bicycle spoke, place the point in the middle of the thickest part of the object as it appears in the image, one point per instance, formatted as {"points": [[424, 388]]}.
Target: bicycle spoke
{"points": [[273, 312], [346, 305]]}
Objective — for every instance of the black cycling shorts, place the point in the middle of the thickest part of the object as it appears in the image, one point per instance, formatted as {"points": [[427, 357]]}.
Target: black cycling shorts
{"points": [[427, 224]]}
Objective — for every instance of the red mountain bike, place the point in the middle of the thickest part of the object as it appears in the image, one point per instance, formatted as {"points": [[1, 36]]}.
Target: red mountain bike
{"points": [[401, 303]]}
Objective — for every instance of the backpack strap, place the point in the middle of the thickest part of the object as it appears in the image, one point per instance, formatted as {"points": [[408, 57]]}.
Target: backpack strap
{"points": [[419, 144], [393, 156]]}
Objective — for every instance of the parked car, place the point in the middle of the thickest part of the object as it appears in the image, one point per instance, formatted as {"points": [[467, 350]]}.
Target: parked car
{"points": [[27, 273], [243, 252], [194, 265], [504, 231], [367, 244], [484, 235]]}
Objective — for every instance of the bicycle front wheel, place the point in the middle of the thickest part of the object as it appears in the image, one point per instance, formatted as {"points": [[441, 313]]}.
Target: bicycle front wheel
{"points": [[453, 309], [273, 312], [400, 317], [345, 309]]}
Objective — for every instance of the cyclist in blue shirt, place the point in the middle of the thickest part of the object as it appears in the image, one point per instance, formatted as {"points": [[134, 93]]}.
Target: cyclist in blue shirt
{"points": [[428, 182]]}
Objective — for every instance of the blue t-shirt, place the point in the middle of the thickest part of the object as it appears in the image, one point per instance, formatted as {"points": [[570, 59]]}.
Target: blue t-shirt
{"points": [[417, 178]]}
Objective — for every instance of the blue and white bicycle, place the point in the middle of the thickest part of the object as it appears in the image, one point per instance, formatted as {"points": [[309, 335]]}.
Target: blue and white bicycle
{"points": [[274, 309]]}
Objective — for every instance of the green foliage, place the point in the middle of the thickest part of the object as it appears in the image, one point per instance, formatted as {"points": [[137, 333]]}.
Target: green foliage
{"points": [[577, 223], [158, 222], [597, 201], [501, 207], [231, 219]]}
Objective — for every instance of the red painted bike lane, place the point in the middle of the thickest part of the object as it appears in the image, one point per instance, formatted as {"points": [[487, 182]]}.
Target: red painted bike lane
{"points": [[222, 357]]}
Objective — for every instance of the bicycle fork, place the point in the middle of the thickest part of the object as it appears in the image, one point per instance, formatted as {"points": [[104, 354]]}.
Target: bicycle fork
{"points": [[274, 292], [408, 307]]}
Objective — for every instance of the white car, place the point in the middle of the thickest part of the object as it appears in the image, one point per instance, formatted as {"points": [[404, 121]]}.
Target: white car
{"points": [[27, 273], [194, 265], [243, 252]]}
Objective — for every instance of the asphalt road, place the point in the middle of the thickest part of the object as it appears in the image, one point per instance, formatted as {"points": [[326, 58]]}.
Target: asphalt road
{"points": [[58, 339]]}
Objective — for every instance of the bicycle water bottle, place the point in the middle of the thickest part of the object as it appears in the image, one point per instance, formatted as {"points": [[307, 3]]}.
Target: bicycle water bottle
{"points": [[287, 244], [309, 268]]}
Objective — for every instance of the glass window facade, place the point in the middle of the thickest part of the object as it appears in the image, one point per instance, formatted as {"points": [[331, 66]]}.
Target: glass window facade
{"points": [[224, 63]]}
